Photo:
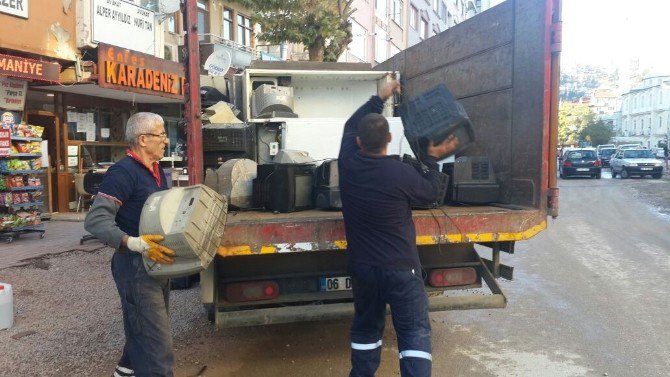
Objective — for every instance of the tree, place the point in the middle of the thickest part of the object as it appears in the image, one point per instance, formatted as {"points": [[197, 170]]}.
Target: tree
{"points": [[572, 120], [322, 26], [598, 132]]}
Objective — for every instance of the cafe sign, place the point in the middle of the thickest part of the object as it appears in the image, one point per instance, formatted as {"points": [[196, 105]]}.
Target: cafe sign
{"points": [[14, 7], [29, 69], [133, 71]]}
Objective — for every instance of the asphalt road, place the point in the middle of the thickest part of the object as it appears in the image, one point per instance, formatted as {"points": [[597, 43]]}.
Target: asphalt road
{"points": [[590, 298]]}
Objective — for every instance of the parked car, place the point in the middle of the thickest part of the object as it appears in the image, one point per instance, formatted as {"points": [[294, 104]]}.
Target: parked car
{"points": [[581, 161], [641, 162], [605, 155], [658, 152], [629, 146], [603, 146]]}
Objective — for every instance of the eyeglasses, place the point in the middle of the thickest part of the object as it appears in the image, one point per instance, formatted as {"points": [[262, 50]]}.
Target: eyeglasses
{"points": [[162, 135]]}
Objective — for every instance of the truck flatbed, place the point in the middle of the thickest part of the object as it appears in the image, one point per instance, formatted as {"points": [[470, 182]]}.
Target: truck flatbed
{"points": [[255, 232]]}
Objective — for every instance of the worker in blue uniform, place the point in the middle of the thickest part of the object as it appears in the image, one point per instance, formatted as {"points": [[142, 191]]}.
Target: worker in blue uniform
{"points": [[378, 192], [114, 218]]}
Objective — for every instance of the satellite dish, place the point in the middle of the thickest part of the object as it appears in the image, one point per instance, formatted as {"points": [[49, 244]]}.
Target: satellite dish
{"points": [[166, 8], [218, 63]]}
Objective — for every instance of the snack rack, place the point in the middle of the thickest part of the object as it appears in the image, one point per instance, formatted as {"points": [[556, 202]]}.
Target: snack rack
{"points": [[20, 188]]}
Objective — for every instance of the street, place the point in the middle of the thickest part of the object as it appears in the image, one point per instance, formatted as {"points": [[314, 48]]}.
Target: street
{"points": [[589, 298]]}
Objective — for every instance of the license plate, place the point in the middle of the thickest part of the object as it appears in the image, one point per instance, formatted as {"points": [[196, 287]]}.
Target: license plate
{"points": [[582, 169], [340, 283], [646, 168]]}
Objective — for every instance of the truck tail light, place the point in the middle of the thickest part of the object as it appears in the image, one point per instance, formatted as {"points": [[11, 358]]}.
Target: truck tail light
{"points": [[598, 163], [567, 164], [446, 277], [252, 291]]}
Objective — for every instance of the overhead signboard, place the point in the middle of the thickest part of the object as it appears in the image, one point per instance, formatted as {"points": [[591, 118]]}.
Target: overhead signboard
{"points": [[132, 71], [12, 93], [124, 24], [29, 69], [14, 7]]}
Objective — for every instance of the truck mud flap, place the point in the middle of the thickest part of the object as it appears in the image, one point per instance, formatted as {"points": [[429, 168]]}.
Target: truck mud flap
{"points": [[495, 300]]}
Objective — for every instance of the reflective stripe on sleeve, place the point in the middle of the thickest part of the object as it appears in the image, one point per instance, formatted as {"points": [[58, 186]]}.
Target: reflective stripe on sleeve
{"points": [[419, 354], [366, 346]]}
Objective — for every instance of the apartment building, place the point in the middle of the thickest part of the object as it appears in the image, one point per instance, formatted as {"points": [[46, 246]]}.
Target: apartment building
{"points": [[645, 110]]}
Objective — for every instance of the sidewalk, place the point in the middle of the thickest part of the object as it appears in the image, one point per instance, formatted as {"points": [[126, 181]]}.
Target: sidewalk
{"points": [[63, 233]]}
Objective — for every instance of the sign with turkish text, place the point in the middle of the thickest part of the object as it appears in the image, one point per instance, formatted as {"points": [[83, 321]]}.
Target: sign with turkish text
{"points": [[29, 69], [115, 20], [12, 93], [5, 141], [132, 71], [14, 7]]}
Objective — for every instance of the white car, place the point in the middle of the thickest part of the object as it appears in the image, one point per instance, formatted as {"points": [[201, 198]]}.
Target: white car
{"points": [[629, 162]]}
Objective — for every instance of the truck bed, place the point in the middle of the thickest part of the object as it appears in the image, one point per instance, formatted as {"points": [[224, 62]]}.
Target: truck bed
{"points": [[253, 232]]}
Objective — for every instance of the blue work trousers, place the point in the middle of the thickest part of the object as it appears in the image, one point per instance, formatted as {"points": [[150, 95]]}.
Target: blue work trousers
{"points": [[403, 290], [144, 301]]}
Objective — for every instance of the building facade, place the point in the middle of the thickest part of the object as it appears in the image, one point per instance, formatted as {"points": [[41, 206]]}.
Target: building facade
{"points": [[645, 111]]}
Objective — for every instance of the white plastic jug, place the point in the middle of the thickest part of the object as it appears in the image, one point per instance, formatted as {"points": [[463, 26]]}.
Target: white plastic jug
{"points": [[6, 306]]}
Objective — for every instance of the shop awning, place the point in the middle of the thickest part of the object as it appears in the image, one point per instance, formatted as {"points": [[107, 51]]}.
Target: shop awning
{"points": [[94, 90]]}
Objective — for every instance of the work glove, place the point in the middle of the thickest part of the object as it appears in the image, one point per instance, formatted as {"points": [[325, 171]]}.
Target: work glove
{"points": [[148, 246]]}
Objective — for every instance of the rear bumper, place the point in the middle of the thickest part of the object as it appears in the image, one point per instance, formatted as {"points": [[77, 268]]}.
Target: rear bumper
{"points": [[345, 310], [575, 171]]}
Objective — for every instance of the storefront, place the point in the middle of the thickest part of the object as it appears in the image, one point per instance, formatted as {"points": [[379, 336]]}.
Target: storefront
{"points": [[93, 113]]}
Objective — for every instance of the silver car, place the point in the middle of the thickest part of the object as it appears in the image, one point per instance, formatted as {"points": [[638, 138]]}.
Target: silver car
{"points": [[641, 162]]}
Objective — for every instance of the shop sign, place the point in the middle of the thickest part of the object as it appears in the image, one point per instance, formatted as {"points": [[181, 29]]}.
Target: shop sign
{"points": [[12, 93], [29, 69], [14, 7], [115, 20], [122, 69]]}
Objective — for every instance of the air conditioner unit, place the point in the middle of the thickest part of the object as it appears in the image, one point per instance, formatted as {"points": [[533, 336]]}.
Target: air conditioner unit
{"points": [[171, 52]]}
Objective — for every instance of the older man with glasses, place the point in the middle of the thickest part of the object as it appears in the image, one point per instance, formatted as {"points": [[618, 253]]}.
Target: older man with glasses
{"points": [[114, 219]]}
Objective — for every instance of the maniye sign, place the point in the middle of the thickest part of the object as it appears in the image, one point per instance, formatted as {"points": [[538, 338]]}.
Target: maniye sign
{"points": [[132, 71], [123, 24], [14, 7]]}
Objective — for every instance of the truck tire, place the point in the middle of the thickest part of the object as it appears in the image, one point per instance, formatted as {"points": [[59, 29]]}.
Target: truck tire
{"points": [[624, 173]]}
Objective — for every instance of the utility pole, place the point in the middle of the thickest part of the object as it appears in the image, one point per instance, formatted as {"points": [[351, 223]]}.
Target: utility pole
{"points": [[192, 93]]}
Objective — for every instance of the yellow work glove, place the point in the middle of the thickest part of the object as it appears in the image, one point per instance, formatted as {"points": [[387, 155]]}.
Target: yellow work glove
{"points": [[148, 246]]}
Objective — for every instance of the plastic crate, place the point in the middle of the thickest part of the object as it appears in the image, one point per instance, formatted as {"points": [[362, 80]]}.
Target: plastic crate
{"points": [[235, 137], [434, 115]]}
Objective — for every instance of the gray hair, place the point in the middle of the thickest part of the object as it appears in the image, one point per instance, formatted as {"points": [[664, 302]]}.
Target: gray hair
{"points": [[141, 123]]}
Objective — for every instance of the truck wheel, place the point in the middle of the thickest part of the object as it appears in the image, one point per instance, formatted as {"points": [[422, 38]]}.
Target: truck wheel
{"points": [[624, 173]]}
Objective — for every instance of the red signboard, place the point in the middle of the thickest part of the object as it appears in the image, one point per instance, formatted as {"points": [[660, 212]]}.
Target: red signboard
{"points": [[133, 71], [5, 141], [29, 69]]}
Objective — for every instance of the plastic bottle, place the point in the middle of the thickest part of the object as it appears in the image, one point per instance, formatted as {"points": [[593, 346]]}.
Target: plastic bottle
{"points": [[6, 306]]}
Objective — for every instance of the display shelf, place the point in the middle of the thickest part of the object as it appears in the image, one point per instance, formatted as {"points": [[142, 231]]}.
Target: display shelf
{"points": [[23, 188], [25, 155], [22, 138], [20, 172], [26, 205], [10, 234]]}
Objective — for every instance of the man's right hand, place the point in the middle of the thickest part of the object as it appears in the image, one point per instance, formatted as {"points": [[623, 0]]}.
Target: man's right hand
{"points": [[148, 246], [386, 91], [444, 149]]}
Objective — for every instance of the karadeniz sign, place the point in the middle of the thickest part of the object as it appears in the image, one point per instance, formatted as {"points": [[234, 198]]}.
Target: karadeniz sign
{"points": [[124, 24], [14, 7]]}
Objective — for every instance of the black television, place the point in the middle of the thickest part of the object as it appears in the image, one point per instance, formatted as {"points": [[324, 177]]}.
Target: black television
{"points": [[284, 187]]}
